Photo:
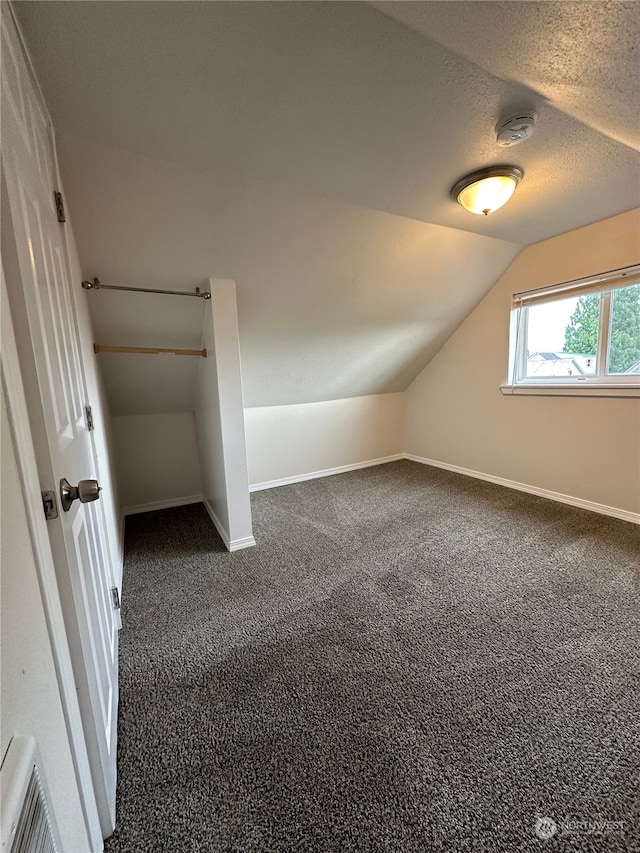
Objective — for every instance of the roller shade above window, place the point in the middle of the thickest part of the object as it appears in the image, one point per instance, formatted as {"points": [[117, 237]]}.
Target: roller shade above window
{"points": [[611, 280]]}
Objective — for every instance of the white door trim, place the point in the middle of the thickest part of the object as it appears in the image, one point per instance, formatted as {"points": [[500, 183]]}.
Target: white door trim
{"points": [[30, 485]]}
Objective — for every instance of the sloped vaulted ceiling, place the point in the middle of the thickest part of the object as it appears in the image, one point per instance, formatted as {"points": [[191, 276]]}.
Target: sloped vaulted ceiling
{"points": [[307, 150]]}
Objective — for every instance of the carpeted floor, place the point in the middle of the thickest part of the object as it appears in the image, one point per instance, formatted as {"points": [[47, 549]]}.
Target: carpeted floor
{"points": [[410, 660]]}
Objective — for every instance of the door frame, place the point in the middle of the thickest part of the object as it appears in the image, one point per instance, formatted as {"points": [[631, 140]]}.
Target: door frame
{"points": [[13, 385]]}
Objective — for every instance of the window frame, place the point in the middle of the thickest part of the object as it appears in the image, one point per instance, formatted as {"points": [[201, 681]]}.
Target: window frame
{"points": [[602, 383]]}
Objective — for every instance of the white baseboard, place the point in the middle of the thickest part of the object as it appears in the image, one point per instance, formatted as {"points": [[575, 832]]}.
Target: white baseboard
{"points": [[327, 472], [239, 544], [149, 507], [602, 509], [230, 544]]}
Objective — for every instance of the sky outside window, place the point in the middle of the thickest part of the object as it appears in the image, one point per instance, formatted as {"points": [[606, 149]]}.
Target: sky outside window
{"points": [[547, 323]]}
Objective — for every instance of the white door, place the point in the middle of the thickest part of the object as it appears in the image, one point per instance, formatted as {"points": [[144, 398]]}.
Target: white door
{"points": [[49, 351]]}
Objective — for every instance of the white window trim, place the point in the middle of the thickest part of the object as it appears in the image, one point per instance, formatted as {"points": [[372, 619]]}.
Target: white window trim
{"points": [[616, 385], [558, 389]]}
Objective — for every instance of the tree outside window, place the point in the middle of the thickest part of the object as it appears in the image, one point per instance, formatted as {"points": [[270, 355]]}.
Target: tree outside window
{"points": [[581, 333]]}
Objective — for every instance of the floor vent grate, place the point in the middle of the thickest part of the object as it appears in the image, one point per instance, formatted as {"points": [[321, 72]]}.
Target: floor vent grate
{"points": [[27, 823]]}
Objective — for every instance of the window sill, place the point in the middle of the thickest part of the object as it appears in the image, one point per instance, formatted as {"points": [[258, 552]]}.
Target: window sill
{"points": [[564, 390]]}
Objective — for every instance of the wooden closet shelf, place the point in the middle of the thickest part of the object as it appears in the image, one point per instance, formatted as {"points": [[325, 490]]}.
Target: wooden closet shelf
{"points": [[149, 350]]}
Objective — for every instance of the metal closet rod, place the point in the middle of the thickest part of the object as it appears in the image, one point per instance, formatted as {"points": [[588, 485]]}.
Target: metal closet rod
{"points": [[95, 285], [149, 350]]}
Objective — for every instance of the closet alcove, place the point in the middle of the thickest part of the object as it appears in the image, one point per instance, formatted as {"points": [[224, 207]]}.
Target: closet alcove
{"points": [[170, 368]]}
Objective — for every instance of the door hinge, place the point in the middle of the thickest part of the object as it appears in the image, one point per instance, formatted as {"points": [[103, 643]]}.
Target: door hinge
{"points": [[57, 197], [117, 616], [89, 418], [50, 505]]}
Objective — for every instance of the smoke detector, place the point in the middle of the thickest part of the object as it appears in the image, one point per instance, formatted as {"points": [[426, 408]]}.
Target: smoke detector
{"points": [[515, 130]]}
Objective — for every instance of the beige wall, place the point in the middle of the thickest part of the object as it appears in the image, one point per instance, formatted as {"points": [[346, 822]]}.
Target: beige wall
{"points": [[31, 702], [291, 441], [156, 458], [585, 447]]}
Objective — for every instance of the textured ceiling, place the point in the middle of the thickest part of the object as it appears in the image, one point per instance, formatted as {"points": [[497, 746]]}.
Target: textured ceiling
{"points": [[341, 100], [583, 57], [307, 150]]}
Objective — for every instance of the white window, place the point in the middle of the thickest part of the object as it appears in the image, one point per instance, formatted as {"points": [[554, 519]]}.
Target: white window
{"points": [[580, 337]]}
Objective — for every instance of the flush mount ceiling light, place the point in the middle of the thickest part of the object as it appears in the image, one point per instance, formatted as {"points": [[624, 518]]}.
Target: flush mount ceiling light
{"points": [[487, 189]]}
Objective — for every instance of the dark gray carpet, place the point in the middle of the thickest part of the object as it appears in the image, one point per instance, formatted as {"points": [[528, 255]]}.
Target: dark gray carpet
{"points": [[410, 660]]}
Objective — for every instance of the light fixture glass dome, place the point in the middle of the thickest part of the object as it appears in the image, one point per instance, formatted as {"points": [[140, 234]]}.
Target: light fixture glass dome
{"points": [[486, 190]]}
